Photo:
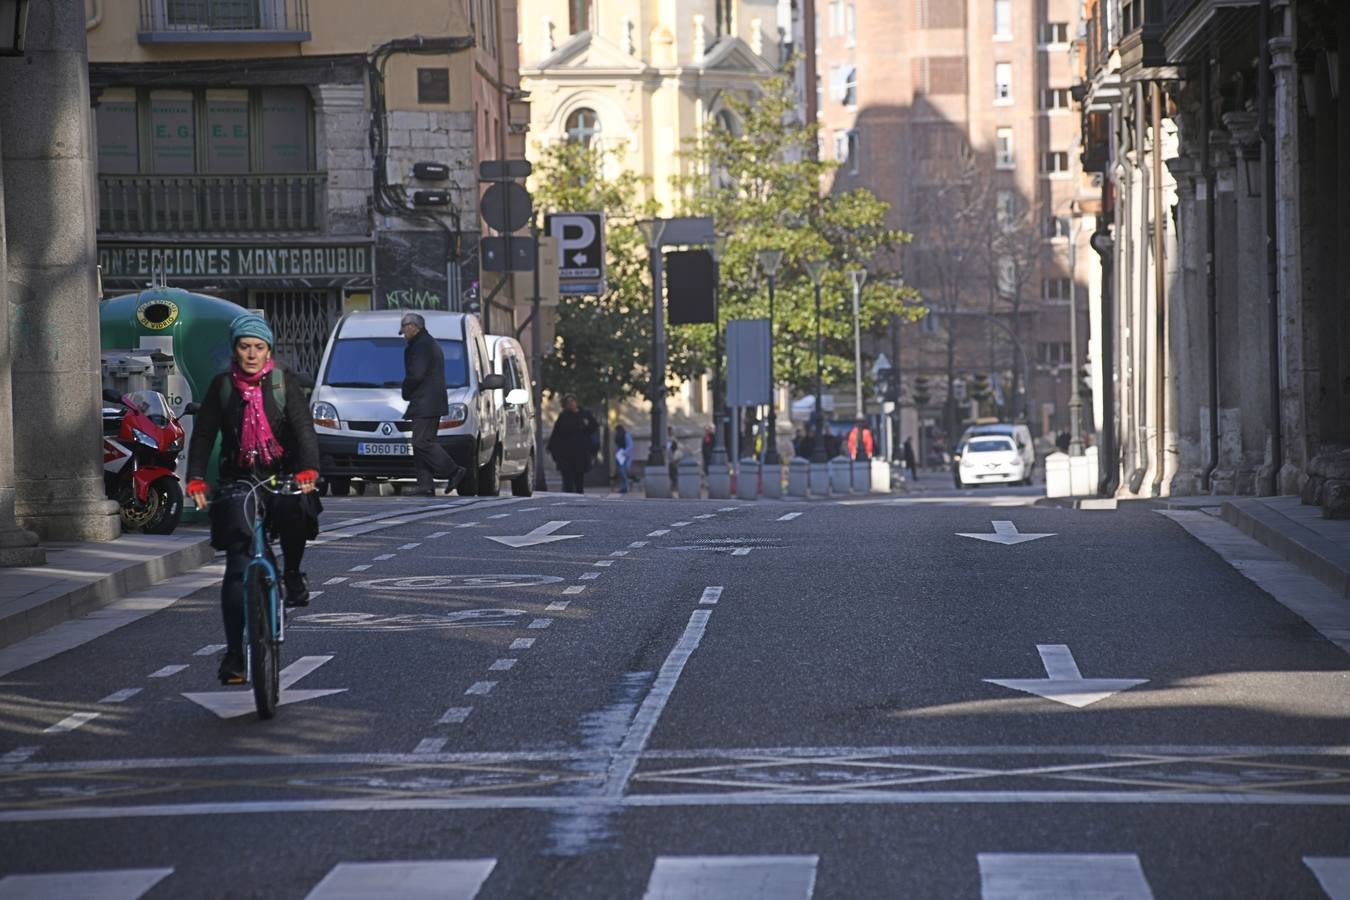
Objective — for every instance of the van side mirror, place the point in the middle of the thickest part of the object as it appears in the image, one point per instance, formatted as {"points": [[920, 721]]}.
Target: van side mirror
{"points": [[493, 382], [517, 397], [192, 408], [112, 396]]}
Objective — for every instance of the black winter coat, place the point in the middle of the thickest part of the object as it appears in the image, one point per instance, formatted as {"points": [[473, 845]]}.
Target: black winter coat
{"points": [[570, 442], [292, 427], [424, 384]]}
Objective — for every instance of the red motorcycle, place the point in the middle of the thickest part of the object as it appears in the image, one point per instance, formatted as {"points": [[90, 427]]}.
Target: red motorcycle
{"points": [[141, 443]]}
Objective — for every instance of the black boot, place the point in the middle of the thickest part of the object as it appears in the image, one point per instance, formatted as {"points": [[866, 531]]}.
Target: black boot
{"points": [[231, 668], [297, 589]]}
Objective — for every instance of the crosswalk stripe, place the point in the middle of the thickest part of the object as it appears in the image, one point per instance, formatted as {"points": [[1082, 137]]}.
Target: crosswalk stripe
{"points": [[108, 884], [1083, 876], [732, 878], [1333, 873], [450, 879]]}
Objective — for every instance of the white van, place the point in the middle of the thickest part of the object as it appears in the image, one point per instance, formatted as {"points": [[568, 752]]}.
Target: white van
{"points": [[518, 417], [359, 410], [1020, 456]]}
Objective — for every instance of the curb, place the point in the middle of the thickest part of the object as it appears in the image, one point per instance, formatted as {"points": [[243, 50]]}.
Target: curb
{"points": [[45, 607], [1327, 561]]}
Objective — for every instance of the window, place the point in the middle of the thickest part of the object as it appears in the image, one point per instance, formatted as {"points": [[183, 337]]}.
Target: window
{"points": [[1003, 19], [1005, 209], [1055, 98], [1055, 33], [853, 152], [1003, 148], [1056, 289], [1007, 277], [850, 76], [1053, 353], [836, 18], [850, 24], [1054, 162], [1002, 83], [940, 74], [582, 126], [578, 16], [836, 82]]}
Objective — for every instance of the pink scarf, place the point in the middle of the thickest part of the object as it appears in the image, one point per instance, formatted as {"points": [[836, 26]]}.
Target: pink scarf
{"points": [[257, 444]]}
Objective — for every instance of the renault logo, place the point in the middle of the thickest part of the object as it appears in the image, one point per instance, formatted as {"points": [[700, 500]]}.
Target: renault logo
{"points": [[386, 429]]}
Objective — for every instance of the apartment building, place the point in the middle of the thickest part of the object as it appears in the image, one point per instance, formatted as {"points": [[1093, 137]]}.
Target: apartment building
{"points": [[958, 114], [303, 159]]}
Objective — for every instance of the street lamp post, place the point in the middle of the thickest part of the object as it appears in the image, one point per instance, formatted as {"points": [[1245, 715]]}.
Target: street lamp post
{"points": [[652, 231], [719, 450], [769, 260], [858, 276], [1075, 398], [816, 269]]}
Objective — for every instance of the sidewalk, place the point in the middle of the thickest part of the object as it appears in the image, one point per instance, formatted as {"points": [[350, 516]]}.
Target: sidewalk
{"points": [[1319, 546], [81, 577]]}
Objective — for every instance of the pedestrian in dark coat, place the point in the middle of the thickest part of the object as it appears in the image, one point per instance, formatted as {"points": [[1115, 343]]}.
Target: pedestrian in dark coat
{"points": [[424, 389], [570, 444], [910, 462]]}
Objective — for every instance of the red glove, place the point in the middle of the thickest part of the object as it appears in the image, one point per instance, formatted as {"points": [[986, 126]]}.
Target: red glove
{"points": [[306, 478], [196, 486]]}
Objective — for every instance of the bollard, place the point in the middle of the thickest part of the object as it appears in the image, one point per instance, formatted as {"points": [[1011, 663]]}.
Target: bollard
{"points": [[799, 477], [1057, 475], [820, 479], [839, 475], [860, 475], [719, 481], [691, 478], [747, 479], [881, 476], [773, 481], [656, 482]]}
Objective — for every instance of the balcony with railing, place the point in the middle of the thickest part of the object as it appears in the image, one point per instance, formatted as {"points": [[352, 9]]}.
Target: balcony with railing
{"points": [[1141, 31], [224, 21], [210, 204]]}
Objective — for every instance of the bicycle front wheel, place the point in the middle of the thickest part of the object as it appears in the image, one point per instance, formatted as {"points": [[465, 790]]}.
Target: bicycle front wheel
{"points": [[264, 649]]}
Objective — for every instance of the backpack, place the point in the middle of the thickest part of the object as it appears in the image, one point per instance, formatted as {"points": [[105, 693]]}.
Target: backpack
{"points": [[278, 389]]}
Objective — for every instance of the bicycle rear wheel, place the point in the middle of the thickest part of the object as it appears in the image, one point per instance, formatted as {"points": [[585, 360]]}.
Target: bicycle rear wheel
{"points": [[264, 650]]}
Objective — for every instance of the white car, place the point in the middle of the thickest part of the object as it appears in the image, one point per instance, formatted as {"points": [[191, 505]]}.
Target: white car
{"points": [[360, 414], [519, 455], [987, 458]]}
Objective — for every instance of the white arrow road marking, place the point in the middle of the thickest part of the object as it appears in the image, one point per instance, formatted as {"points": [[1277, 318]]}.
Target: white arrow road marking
{"points": [[1333, 873], [1004, 533], [1064, 683], [230, 704], [541, 535]]}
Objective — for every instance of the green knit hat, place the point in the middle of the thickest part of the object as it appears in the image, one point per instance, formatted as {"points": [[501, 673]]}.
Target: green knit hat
{"points": [[250, 325]]}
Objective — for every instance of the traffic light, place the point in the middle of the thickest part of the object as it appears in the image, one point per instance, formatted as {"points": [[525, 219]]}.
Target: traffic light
{"points": [[1085, 381], [888, 383], [921, 393]]}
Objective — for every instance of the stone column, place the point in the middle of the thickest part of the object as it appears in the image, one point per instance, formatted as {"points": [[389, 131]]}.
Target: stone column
{"points": [[342, 149], [1290, 263], [48, 167], [18, 547], [1226, 251], [1186, 356], [1254, 476]]}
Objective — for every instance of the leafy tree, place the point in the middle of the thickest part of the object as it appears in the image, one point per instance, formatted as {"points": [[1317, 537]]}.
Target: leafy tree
{"points": [[762, 186]]}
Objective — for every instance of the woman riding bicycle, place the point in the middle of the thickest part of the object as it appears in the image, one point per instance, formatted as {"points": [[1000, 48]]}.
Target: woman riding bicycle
{"points": [[259, 438]]}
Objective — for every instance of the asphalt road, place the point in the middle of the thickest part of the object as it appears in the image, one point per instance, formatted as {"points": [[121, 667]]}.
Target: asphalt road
{"points": [[705, 699]]}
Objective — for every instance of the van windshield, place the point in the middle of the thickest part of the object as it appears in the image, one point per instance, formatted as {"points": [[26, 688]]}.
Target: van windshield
{"points": [[377, 362], [989, 444]]}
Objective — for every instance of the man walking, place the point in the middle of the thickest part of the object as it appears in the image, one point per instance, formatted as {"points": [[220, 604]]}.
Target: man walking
{"points": [[424, 389]]}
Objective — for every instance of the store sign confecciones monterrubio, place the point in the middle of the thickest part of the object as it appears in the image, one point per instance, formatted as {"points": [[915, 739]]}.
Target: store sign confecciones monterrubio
{"points": [[244, 262]]}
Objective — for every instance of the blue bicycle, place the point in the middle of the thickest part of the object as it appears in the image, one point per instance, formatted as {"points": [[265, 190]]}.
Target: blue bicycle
{"points": [[264, 621]]}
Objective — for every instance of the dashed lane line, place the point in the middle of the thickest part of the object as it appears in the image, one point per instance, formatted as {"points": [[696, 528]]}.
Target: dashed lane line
{"points": [[711, 595], [588, 576], [680, 524], [410, 546], [480, 688], [383, 556], [455, 715], [558, 606], [788, 517], [18, 755], [121, 696], [522, 644], [503, 665], [167, 671], [619, 553], [337, 580], [71, 722], [574, 589], [431, 745], [603, 563], [707, 516], [658, 532], [212, 649], [437, 534], [500, 516], [741, 551], [361, 568], [638, 545], [540, 623]]}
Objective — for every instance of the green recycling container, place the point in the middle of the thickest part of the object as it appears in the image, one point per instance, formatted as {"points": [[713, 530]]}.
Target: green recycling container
{"points": [[192, 329]]}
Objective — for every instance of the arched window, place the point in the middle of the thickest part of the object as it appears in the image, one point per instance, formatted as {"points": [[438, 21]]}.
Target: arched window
{"points": [[582, 126]]}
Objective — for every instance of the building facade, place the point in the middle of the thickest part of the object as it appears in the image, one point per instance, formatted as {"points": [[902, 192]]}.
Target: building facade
{"points": [[1221, 130], [304, 161], [958, 115], [646, 78]]}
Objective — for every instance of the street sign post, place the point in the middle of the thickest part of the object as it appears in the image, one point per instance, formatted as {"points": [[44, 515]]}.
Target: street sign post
{"points": [[581, 251], [506, 206], [504, 169]]}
